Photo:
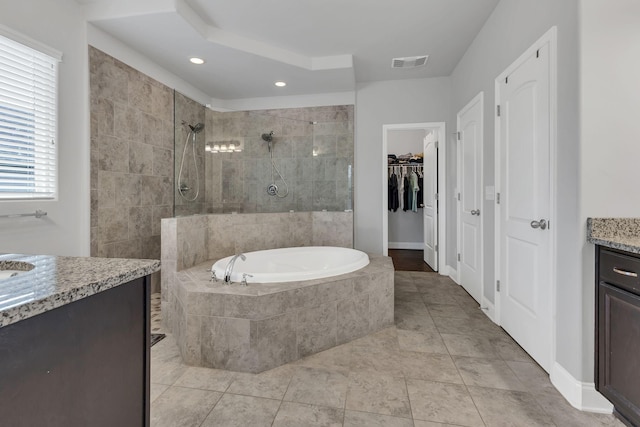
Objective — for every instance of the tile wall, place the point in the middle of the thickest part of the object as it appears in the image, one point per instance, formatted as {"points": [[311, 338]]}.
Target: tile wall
{"points": [[131, 159], [189, 112], [188, 241], [134, 168], [313, 158]]}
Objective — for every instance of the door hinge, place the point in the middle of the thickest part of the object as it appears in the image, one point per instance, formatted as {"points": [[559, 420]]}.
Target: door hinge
{"points": [[498, 285], [498, 198], [458, 196], [436, 145], [435, 196], [458, 257], [498, 110], [538, 53], [436, 248], [506, 80], [458, 135]]}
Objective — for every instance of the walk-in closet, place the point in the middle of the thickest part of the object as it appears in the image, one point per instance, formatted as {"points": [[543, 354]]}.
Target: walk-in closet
{"points": [[411, 208]]}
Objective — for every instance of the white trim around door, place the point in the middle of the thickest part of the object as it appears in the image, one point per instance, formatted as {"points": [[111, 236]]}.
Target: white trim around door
{"points": [[440, 127]]}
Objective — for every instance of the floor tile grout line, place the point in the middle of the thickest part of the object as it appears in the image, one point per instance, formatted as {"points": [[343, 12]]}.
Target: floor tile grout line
{"points": [[406, 387], [466, 387], [211, 410], [277, 412], [158, 396], [475, 405]]}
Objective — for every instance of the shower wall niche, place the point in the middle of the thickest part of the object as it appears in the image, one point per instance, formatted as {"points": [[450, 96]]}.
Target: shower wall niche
{"points": [[312, 150]]}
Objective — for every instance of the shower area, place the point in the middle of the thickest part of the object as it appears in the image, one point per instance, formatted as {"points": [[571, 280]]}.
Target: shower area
{"points": [[281, 160], [157, 155]]}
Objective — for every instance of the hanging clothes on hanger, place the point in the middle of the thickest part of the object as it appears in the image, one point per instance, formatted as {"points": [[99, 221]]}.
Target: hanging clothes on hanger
{"points": [[405, 194], [413, 182], [394, 202], [401, 187]]}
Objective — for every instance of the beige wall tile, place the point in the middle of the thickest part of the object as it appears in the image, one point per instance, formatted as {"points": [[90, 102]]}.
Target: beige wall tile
{"points": [[317, 329], [353, 318], [131, 158]]}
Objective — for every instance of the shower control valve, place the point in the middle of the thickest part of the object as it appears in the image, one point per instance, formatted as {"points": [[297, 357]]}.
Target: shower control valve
{"points": [[272, 190]]}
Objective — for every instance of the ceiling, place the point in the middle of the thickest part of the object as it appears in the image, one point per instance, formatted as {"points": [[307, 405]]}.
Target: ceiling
{"points": [[316, 47]]}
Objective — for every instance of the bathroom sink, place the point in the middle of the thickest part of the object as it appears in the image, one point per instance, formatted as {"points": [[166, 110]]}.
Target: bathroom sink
{"points": [[13, 268]]}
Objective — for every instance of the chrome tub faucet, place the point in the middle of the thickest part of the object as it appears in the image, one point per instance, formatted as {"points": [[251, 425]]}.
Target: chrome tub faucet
{"points": [[229, 269]]}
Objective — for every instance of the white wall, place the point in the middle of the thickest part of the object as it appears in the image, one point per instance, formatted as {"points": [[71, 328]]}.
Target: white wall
{"points": [[377, 104], [113, 47], [610, 124], [509, 31], [276, 102], [65, 231], [406, 226]]}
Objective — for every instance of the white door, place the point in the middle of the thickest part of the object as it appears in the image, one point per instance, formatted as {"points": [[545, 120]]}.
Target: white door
{"points": [[526, 293], [430, 201], [470, 138]]}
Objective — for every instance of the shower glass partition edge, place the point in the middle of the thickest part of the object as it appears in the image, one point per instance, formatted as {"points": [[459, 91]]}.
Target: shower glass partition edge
{"points": [[263, 161]]}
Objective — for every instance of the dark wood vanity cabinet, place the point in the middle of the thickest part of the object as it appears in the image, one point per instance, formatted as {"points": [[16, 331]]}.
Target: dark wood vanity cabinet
{"points": [[617, 355], [85, 363]]}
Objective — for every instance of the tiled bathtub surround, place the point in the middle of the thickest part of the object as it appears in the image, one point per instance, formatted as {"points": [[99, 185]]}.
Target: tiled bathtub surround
{"points": [[264, 325], [617, 233], [264, 322], [188, 241]]}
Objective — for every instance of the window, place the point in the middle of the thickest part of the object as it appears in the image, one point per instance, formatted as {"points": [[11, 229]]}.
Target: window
{"points": [[28, 118]]}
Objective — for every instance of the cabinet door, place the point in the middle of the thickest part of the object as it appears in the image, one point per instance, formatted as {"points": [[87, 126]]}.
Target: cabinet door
{"points": [[83, 364], [619, 349]]}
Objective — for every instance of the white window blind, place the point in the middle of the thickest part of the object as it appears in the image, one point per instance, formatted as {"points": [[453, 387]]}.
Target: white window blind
{"points": [[28, 119]]}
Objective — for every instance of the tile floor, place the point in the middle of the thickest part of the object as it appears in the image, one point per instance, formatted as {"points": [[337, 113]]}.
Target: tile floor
{"points": [[443, 364]]}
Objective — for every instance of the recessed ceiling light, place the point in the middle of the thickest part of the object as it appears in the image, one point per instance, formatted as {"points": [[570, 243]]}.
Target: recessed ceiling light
{"points": [[280, 84], [196, 60]]}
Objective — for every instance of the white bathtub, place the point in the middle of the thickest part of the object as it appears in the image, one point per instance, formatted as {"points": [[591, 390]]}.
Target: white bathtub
{"points": [[293, 264]]}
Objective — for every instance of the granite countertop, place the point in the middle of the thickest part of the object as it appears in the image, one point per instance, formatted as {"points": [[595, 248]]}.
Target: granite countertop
{"points": [[615, 233], [56, 281]]}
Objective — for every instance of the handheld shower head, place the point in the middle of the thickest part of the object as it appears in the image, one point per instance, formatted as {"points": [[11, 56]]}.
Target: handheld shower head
{"points": [[197, 128], [268, 136]]}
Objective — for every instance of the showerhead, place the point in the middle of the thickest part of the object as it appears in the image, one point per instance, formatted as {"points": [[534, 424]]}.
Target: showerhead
{"points": [[197, 128], [268, 136]]}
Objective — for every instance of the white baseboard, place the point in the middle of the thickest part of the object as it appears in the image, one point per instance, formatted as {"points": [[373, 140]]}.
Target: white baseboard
{"points": [[489, 309], [580, 395], [452, 273], [406, 245]]}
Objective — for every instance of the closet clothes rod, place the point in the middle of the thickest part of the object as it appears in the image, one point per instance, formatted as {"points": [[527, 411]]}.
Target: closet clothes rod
{"points": [[38, 214]]}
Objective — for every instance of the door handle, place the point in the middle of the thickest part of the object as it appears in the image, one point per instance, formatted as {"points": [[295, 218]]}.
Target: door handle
{"points": [[475, 212], [542, 224]]}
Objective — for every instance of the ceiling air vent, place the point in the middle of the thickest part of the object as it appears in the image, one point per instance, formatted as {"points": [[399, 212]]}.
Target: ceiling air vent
{"points": [[409, 62]]}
